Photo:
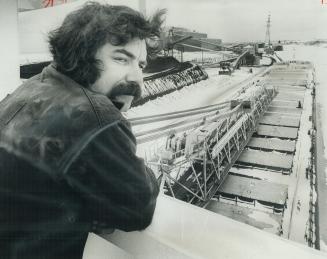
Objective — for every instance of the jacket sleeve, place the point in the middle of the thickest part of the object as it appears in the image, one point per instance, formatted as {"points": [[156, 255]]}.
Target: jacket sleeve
{"points": [[118, 190]]}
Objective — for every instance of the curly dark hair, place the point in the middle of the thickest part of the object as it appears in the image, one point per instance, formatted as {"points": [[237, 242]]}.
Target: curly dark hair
{"points": [[75, 43]]}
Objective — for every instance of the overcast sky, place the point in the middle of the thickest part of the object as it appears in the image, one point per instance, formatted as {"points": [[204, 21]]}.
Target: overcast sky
{"points": [[245, 20], [229, 20]]}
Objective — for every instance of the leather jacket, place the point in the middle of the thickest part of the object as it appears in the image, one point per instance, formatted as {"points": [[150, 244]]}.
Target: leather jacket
{"points": [[70, 155]]}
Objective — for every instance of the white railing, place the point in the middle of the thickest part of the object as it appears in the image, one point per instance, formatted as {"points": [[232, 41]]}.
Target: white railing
{"points": [[180, 230]]}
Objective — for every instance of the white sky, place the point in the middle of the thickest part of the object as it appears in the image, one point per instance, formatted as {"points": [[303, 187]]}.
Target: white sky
{"points": [[245, 20], [229, 20]]}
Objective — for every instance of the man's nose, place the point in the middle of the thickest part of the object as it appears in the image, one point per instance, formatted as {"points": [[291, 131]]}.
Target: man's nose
{"points": [[135, 74]]}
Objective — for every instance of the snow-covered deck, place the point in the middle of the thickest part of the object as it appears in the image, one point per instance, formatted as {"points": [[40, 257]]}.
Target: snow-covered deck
{"points": [[285, 103], [277, 131], [272, 160], [280, 120], [272, 144], [289, 96], [251, 215], [255, 189], [281, 109]]}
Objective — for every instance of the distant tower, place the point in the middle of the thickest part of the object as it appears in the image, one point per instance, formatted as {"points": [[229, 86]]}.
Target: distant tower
{"points": [[267, 39], [142, 7]]}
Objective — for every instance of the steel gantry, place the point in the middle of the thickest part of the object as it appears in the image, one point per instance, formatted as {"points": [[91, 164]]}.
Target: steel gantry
{"points": [[196, 162]]}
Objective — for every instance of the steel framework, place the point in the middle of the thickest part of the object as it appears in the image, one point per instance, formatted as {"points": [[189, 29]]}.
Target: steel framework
{"points": [[198, 169]]}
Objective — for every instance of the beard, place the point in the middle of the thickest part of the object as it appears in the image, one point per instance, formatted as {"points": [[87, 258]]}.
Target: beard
{"points": [[130, 88]]}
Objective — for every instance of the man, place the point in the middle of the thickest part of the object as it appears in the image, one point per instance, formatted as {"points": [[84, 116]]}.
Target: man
{"points": [[67, 155]]}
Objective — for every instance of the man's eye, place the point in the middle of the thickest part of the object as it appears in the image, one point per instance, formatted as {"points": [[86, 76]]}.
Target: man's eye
{"points": [[121, 60]]}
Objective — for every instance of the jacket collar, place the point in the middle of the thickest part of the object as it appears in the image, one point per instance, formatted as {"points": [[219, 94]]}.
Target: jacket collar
{"points": [[51, 72]]}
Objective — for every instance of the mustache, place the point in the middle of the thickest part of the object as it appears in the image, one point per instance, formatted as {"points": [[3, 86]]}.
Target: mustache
{"points": [[130, 88]]}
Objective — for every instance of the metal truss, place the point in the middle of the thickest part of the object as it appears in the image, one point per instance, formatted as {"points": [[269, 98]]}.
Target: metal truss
{"points": [[195, 176]]}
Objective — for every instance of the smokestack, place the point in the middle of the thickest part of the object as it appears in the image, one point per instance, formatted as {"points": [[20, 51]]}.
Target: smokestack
{"points": [[142, 7]]}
